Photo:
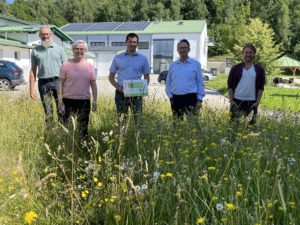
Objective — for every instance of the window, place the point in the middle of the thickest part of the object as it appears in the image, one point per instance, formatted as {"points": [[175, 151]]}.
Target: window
{"points": [[100, 43], [3, 66], [118, 44], [17, 55], [143, 45], [162, 54]]}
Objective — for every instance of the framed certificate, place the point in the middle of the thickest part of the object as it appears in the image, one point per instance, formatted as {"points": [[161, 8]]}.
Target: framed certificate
{"points": [[133, 88]]}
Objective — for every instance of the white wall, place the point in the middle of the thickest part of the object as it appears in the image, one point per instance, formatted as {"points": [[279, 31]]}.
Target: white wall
{"points": [[104, 60], [8, 53]]}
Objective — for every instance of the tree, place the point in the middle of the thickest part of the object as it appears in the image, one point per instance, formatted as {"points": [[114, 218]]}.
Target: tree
{"points": [[194, 9], [262, 36]]}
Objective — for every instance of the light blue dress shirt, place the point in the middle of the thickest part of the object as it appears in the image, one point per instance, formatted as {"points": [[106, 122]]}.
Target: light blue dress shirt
{"points": [[185, 78], [129, 67]]}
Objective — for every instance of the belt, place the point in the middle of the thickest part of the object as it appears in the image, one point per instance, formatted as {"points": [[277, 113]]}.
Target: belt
{"points": [[50, 79]]}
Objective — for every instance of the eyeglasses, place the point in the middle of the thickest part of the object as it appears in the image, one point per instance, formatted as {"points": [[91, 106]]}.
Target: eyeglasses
{"points": [[183, 48]]}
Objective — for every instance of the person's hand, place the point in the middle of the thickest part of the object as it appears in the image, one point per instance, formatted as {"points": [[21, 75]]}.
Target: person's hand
{"points": [[232, 103], [199, 105], [94, 106], [120, 89], [33, 94], [255, 105]]}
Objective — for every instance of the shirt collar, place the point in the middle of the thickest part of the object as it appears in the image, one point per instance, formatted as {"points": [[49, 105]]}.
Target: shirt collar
{"points": [[187, 61], [135, 53]]}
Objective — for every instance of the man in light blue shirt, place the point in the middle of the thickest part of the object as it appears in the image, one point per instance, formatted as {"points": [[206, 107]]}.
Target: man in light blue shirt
{"points": [[129, 65], [184, 85]]}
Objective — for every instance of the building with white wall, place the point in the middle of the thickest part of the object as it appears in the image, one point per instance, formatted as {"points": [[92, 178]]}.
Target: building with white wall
{"points": [[18, 37], [157, 40]]}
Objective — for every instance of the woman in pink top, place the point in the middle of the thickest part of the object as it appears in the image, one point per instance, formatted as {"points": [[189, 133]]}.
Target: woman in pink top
{"points": [[77, 76]]}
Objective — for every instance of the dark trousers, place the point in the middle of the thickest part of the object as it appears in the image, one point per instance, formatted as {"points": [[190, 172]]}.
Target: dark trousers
{"points": [[48, 90], [123, 103], [183, 104], [243, 108], [79, 109]]}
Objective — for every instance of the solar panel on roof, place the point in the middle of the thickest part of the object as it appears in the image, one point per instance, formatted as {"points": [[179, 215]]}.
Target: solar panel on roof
{"points": [[107, 26], [77, 26], [132, 26]]}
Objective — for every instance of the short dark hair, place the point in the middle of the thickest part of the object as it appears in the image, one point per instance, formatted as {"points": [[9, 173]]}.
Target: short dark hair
{"points": [[251, 46], [132, 35], [184, 41]]}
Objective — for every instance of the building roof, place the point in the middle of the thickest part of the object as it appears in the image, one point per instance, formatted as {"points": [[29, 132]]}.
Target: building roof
{"points": [[286, 61], [14, 43], [143, 27], [34, 29], [13, 19]]}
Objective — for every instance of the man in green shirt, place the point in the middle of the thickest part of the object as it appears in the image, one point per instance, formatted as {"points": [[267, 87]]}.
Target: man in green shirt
{"points": [[46, 60]]}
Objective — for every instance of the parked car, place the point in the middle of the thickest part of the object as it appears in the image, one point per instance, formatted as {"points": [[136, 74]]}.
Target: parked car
{"points": [[205, 74], [11, 75]]}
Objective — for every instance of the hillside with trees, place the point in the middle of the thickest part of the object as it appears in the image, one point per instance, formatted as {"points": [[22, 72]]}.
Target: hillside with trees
{"points": [[226, 19]]}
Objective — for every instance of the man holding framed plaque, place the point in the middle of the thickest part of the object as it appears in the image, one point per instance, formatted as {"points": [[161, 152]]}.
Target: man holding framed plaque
{"points": [[130, 67]]}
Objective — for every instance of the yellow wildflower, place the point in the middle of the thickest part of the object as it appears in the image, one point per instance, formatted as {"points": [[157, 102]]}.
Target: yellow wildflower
{"points": [[99, 184], [270, 205], [200, 220], [95, 179], [204, 176], [214, 198], [169, 174], [238, 193], [230, 206], [211, 168], [30, 217]]}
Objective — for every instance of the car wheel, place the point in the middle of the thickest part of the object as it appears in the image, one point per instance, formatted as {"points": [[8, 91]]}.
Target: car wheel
{"points": [[4, 84], [205, 78]]}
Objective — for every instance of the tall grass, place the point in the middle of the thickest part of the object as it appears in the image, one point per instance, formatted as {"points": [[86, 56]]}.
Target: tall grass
{"points": [[204, 170], [274, 98]]}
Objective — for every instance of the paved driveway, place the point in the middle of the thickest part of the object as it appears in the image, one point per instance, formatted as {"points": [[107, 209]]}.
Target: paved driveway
{"points": [[156, 91]]}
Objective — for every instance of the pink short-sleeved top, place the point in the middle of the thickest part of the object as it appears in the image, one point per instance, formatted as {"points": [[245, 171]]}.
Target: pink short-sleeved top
{"points": [[76, 79]]}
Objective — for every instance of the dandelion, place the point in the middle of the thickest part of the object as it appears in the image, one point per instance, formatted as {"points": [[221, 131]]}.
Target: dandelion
{"points": [[169, 174], [270, 205], [211, 168], [200, 220], [144, 187], [156, 175], [238, 193], [219, 207], [95, 179], [230, 206], [100, 184], [30, 217], [214, 198], [204, 177]]}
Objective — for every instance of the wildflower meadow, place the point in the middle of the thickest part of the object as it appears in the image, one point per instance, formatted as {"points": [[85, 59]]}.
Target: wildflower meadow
{"points": [[159, 171]]}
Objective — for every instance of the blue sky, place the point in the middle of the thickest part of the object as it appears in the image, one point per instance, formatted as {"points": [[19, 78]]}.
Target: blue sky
{"points": [[9, 1]]}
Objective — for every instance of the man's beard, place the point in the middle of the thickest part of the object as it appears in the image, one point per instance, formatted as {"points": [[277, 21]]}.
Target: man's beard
{"points": [[46, 44]]}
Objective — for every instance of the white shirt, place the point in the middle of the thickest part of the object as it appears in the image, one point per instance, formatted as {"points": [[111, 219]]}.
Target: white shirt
{"points": [[245, 90]]}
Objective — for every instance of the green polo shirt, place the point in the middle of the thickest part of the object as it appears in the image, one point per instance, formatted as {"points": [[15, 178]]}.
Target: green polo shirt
{"points": [[48, 60]]}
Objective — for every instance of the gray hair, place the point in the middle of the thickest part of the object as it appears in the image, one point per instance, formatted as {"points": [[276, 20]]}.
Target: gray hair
{"points": [[45, 27], [80, 42]]}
